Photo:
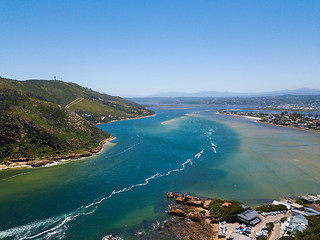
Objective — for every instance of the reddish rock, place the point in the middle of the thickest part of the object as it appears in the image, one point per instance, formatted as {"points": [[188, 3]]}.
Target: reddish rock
{"points": [[179, 200], [177, 212]]}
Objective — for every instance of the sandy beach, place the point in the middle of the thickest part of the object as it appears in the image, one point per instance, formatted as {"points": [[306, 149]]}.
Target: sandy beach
{"points": [[128, 119], [50, 161], [256, 118]]}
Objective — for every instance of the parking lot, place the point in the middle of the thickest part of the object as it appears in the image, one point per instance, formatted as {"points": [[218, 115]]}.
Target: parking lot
{"points": [[258, 229], [264, 220]]}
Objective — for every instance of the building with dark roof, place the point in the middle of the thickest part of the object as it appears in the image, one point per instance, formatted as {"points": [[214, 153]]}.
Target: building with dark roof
{"points": [[249, 217]]}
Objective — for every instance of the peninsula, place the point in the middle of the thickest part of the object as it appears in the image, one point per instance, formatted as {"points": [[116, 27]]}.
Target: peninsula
{"points": [[295, 119], [46, 121]]}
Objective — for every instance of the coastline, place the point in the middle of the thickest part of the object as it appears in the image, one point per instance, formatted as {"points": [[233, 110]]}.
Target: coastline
{"points": [[304, 129], [256, 118], [258, 121], [127, 119], [47, 161], [50, 161]]}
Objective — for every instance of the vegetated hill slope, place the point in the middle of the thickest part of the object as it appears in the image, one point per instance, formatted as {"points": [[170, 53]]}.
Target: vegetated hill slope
{"points": [[92, 105], [33, 128]]}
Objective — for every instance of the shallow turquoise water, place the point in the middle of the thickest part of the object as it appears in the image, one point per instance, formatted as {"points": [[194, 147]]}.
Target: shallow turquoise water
{"points": [[122, 190]]}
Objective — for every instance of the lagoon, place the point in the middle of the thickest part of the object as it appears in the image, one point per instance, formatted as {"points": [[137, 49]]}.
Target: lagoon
{"points": [[183, 149]]}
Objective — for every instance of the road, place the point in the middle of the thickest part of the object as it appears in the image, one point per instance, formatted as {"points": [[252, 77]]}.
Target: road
{"points": [[257, 228], [276, 232]]}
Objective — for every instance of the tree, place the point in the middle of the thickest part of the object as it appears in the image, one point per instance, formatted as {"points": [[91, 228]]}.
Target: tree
{"points": [[270, 226]]}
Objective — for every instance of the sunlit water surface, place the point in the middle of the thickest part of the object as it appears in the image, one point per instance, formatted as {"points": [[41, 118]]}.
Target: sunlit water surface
{"points": [[183, 149]]}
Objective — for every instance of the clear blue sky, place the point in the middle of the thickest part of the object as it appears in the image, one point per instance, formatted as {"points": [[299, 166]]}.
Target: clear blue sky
{"points": [[137, 48]]}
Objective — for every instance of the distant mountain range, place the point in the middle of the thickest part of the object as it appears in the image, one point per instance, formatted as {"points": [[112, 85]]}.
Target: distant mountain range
{"points": [[298, 92]]}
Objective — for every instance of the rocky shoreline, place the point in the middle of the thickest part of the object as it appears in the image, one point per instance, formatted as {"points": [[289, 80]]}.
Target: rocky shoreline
{"points": [[36, 162], [189, 219], [33, 162]]}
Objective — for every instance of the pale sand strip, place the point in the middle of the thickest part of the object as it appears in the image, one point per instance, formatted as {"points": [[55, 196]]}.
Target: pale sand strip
{"points": [[102, 146], [128, 119], [103, 143]]}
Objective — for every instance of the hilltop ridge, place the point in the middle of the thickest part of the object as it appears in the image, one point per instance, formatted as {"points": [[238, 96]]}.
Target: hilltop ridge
{"points": [[92, 105], [52, 120]]}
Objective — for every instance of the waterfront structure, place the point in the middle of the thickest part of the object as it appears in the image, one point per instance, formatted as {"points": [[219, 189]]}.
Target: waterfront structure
{"points": [[297, 206], [309, 198], [288, 205], [295, 223], [306, 212], [249, 217]]}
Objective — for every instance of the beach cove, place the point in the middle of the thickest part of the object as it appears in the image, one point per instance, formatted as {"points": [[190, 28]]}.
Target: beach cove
{"points": [[120, 191]]}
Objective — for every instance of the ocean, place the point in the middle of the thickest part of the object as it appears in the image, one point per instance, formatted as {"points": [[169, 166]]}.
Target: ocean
{"points": [[185, 149]]}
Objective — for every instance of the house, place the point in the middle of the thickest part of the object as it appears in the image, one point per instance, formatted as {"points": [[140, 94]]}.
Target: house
{"points": [[249, 217], [297, 206], [306, 212], [288, 205], [226, 204], [309, 198], [295, 223]]}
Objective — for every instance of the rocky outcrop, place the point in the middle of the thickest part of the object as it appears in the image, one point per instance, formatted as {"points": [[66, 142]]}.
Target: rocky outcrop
{"points": [[177, 212], [190, 201], [39, 163], [190, 220], [170, 195], [195, 216]]}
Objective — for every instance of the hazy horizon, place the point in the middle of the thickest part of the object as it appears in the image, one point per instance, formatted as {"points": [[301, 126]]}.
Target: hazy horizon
{"points": [[144, 48]]}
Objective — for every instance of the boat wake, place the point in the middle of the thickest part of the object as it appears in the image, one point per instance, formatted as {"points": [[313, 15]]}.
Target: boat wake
{"points": [[213, 145], [57, 226]]}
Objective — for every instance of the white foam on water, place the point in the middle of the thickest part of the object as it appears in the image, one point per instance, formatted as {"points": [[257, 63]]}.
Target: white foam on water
{"points": [[214, 146], [198, 155], [214, 149], [61, 222]]}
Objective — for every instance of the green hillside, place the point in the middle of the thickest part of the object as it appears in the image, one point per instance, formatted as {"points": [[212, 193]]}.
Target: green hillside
{"points": [[94, 106], [53, 119], [33, 128]]}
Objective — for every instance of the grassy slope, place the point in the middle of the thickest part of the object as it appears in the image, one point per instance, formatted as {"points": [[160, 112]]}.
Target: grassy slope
{"points": [[33, 128], [99, 106]]}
